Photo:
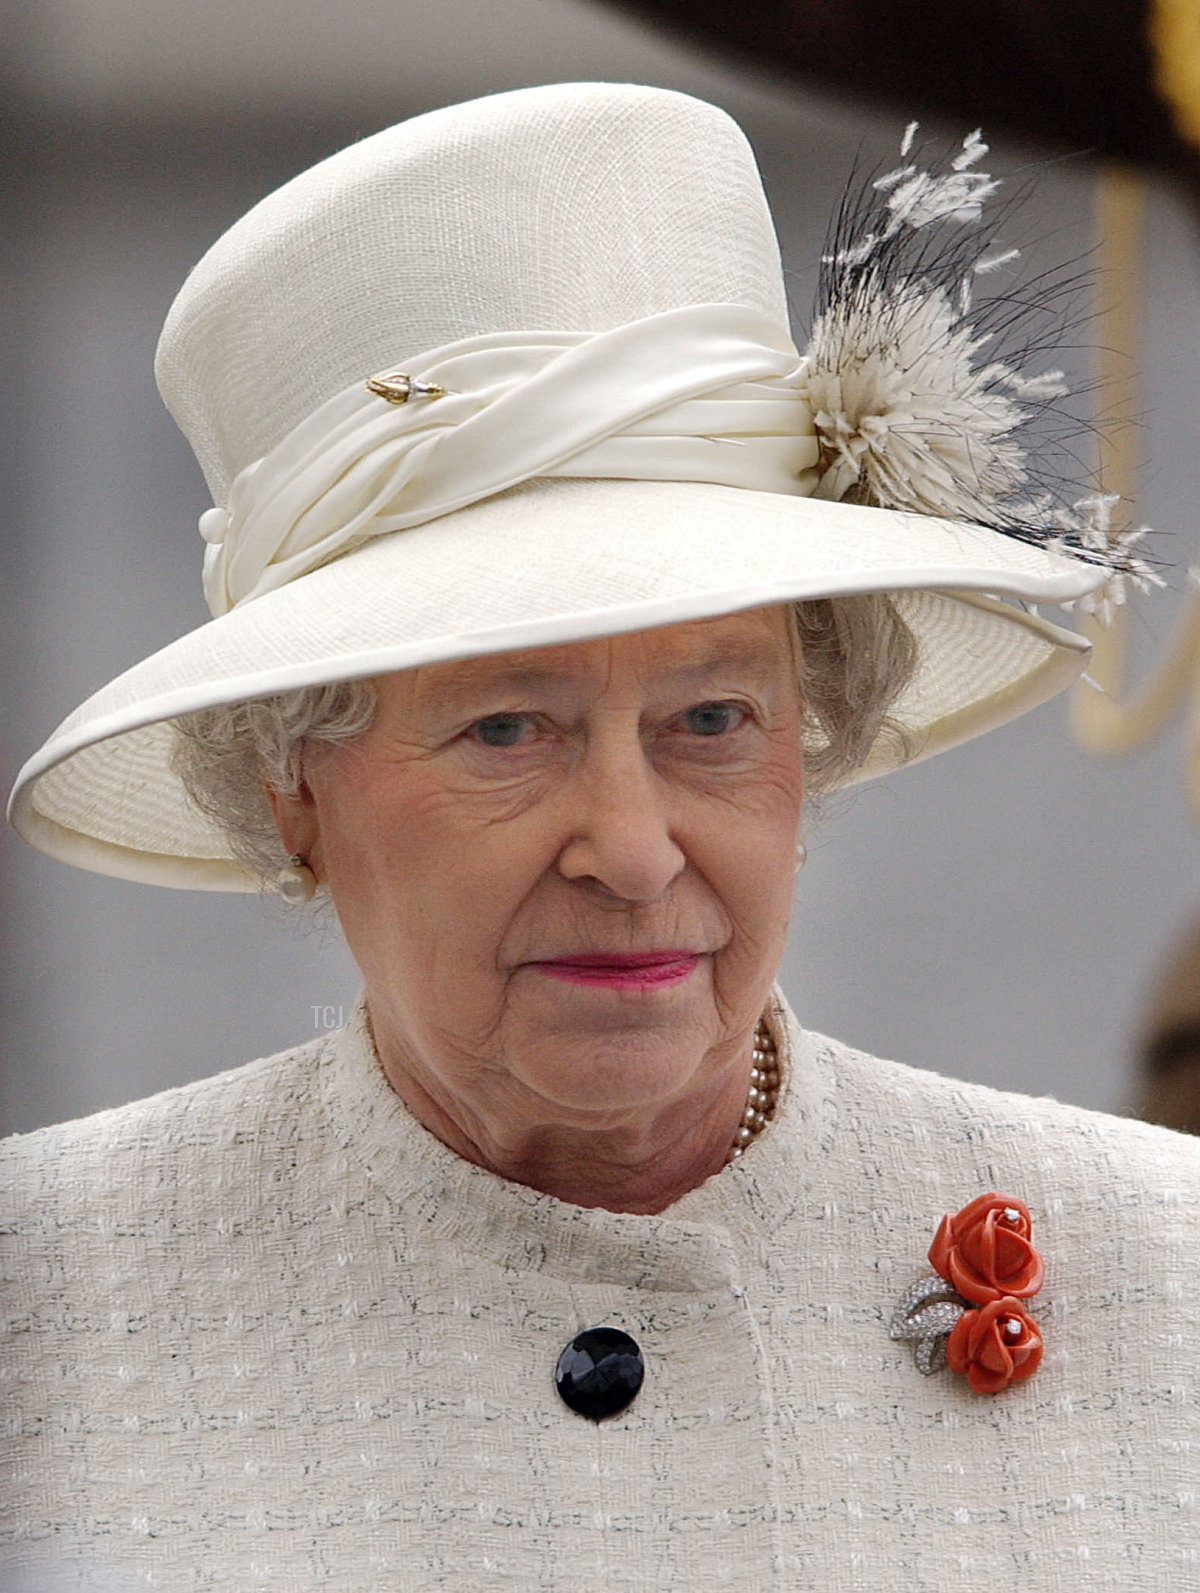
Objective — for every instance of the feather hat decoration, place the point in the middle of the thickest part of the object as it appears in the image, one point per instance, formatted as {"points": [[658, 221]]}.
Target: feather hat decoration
{"points": [[910, 412]]}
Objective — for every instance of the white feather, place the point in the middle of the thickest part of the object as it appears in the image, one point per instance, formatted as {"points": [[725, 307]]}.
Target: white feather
{"points": [[1050, 384], [891, 178], [902, 409], [995, 262], [959, 196], [854, 254], [973, 149]]}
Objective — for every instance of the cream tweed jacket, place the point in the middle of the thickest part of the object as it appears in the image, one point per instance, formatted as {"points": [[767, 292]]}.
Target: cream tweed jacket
{"points": [[266, 1332]]}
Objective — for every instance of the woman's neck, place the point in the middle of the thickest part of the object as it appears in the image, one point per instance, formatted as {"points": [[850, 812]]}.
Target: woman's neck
{"points": [[641, 1165]]}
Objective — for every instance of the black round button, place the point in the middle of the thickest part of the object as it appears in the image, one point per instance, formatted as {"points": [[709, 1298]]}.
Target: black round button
{"points": [[599, 1372]]}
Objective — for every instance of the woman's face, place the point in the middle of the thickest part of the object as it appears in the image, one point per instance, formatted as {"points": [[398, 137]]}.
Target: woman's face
{"points": [[566, 873]]}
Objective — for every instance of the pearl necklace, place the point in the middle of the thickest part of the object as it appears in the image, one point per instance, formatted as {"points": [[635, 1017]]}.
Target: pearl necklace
{"points": [[763, 1092]]}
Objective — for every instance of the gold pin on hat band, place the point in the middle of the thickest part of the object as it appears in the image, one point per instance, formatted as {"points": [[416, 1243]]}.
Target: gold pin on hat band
{"points": [[398, 387]]}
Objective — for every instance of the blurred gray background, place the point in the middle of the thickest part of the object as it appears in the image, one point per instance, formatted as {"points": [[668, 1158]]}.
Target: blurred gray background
{"points": [[995, 914]]}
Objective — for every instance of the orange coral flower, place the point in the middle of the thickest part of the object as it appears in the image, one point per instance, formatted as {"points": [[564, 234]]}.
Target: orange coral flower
{"points": [[994, 1346], [985, 1251]]}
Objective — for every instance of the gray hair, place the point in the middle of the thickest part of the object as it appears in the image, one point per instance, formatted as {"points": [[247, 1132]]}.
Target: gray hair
{"points": [[855, 656]]}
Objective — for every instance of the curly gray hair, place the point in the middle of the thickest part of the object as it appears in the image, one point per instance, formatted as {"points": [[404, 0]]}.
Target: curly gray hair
{"points": [[855, 657]]}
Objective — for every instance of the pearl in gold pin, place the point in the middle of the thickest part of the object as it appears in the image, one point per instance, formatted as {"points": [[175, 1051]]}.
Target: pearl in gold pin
{"points": [[397, 387]]}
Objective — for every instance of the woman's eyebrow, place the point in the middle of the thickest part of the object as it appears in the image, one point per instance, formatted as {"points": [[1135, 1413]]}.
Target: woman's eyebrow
{"points": [[759, 658], [464, 683]]}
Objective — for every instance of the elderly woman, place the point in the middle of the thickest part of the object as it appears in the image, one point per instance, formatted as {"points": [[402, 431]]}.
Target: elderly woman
{"points": [[549, 583]]}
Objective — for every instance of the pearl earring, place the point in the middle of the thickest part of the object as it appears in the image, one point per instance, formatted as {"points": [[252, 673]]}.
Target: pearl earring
{"points": [[801, 855], [296, 882]]}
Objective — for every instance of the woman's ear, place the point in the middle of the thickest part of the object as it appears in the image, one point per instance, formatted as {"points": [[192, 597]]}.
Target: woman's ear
{"points": [[296, 820]]}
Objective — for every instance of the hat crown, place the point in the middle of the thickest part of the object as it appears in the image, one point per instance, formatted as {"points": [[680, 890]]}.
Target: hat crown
{"points": [[569, 207]]}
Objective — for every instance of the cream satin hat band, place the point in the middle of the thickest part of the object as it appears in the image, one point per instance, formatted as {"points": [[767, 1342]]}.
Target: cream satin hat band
{"points": [[709, 392]]}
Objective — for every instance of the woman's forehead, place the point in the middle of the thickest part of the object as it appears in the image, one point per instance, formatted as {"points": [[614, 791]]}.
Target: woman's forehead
{"points": [[758, 641]]}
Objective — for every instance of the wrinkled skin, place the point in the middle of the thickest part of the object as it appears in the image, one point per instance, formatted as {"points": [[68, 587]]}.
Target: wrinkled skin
{"points": [[636, 793]]}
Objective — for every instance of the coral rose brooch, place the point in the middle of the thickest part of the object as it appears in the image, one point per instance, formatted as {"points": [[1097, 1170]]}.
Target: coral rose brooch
{"points": [[971, 1317]]}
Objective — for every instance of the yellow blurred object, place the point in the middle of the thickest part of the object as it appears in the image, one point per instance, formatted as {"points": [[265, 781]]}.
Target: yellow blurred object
{"points": [[1174, 33], [1101, 721], [1168, 1080]]}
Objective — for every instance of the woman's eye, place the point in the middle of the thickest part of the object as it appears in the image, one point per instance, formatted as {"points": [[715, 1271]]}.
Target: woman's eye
{"points": [[714, 718], [501, 730]]}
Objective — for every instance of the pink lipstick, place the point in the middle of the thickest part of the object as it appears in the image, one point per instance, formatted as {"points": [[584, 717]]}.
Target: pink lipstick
{"points": [[649, 970]]}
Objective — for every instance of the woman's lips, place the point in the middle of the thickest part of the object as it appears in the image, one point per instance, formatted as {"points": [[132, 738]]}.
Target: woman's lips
{"points": [[634, 971]]}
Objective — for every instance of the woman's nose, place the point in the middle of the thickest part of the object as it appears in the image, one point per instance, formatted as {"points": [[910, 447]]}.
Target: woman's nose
{"points": [[618, 827]]}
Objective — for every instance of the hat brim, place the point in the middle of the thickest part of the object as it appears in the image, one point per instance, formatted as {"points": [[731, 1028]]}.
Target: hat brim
{"points": [[549, 562]]}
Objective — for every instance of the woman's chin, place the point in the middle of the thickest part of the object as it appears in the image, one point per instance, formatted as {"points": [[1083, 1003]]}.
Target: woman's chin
{"points": [[608, 1074]]}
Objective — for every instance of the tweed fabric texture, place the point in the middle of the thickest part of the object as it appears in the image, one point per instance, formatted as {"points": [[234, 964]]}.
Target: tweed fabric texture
{"points": [[265, 1331]]}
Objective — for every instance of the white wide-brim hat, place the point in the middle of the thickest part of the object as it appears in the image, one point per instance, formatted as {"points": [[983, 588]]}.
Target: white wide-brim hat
{"points": [[587, 417]]}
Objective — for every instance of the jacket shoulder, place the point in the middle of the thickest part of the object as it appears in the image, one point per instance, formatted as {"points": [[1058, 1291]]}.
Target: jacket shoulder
{"points": [[126, 1149], [1060, 1157]]}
